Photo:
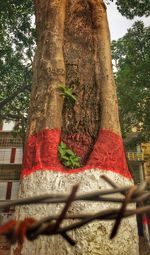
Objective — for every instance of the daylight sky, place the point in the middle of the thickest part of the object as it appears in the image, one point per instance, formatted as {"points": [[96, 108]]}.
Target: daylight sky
{"points": [[118, 24]]}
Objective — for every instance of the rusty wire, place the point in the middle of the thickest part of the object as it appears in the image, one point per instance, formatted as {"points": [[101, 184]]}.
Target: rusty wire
{"points": [[16, 231]]}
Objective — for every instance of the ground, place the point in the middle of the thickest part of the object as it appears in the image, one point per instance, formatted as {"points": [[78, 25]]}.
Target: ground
{"points": [[143, 246]]}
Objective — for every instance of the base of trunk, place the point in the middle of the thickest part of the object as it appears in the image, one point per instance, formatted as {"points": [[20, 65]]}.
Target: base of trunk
{"points": [[92, 239]]}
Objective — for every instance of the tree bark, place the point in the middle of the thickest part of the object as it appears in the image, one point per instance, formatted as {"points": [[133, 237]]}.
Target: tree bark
{"points": [[109, 103], [48, 67], [82, 118], [89, 73], [73, 48]]}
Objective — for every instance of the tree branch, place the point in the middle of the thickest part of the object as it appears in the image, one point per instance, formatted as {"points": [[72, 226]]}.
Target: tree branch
{"points": [[13, 95]]}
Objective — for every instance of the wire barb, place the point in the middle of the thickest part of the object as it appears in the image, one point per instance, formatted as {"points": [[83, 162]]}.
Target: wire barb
{"points": [[30, 228]]}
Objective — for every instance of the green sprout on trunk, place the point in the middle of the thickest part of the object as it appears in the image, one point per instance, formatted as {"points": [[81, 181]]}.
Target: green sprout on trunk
{"points": [[67, 93], [68, 158]]}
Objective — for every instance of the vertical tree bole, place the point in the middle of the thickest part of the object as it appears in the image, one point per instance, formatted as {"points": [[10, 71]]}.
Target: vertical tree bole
{"points": [[48, 67], [73, 49]]}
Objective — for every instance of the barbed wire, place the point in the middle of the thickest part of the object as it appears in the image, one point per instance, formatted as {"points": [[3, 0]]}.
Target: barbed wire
{"points": [[30, 228]]}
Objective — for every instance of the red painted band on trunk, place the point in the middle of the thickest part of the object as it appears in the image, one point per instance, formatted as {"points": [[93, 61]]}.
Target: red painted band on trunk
{"points": [[80, 144], [13, 155], [41, 153]]}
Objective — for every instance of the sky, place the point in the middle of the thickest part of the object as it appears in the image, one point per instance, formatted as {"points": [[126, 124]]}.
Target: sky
{"points": [[118, 24]]}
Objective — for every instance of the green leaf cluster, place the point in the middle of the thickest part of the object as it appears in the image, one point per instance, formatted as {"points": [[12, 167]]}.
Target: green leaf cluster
{"points": [[68, 158], [17, 43], [132, 8], [67, 93], [131, 57]]}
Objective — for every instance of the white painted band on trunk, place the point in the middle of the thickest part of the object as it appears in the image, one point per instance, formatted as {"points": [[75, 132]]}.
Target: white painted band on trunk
{"points": [[92, 239]]}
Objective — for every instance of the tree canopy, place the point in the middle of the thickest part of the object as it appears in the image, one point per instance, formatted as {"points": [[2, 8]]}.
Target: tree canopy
{"points": [[17, 41], [132, 61], [132, 8], [16, 50]]}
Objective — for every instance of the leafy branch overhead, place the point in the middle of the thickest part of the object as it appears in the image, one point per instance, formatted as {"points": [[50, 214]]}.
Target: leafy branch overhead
{"points": [[132, 8], [17, 43], [131, 58]]}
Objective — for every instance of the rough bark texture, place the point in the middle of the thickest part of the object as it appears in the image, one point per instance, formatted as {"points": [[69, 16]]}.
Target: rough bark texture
{"points": [[85, 55], [84, 116], [89, 70], [109, 117], [81, 46], [89, 73], [48, 68]]}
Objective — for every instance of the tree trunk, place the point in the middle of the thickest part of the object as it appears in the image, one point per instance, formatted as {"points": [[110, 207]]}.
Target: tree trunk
{"points": [[73, 48], [89, 73], [81, 121], [48, 68]]}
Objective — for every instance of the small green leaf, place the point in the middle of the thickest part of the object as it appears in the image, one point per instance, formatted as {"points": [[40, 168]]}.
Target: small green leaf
{"points": [[67, 163], [64, 157], [67, 156], [63, 145], [67, 93], [70, 152]]}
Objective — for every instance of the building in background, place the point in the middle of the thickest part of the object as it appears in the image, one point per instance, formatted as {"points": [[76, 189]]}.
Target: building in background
{"points": [[10, 168], [139, 163], [145, 147]]}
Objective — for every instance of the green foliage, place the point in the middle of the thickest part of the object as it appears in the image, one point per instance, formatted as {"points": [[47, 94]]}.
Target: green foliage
{"points": [[67, 93], [68, 157], [132, 8], [131, 57], [17, 42]]}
